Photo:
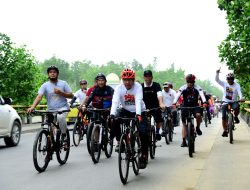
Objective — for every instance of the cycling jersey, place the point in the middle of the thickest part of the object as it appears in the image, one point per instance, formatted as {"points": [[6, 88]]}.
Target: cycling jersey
{"points": [[131, 100], [190, 95], [80, 94], [90, 90], [168, 97], [150, 94], [231, 92], [101, 97]]}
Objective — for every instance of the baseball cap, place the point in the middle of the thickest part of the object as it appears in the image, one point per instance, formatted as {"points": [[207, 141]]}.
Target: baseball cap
{"points": [[148, 73]]}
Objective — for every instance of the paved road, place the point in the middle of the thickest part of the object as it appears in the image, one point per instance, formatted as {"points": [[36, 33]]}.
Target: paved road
{"points": [[216, 165]]}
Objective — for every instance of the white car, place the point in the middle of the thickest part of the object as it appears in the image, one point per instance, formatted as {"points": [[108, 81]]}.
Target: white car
{"points": [[10, 123]]}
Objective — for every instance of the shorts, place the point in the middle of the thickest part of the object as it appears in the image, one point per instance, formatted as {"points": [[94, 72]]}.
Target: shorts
{"points": [[157, 114], [184, 113], [235, 105]]}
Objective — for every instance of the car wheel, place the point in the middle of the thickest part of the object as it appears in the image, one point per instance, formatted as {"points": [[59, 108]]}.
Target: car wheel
{"points": [[15, 136]]}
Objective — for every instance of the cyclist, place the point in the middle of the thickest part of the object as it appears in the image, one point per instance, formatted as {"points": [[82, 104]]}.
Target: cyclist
{"points": [[231, 92], [208, 99], [152, 96], [130, 95], [56, 91], [81, 93], [191, 93], [168, 95]]}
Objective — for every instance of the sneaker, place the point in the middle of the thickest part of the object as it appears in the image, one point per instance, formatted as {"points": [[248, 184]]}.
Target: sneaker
{"points": [[163, 134], [198, 131], [236, 120], [117, 148], [209, 122], [143, 161], [158, 136], [225, 134], [184, 144]]}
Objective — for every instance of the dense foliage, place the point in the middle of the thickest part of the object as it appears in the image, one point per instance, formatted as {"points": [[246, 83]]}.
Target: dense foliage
{"points": [[235, 49]]}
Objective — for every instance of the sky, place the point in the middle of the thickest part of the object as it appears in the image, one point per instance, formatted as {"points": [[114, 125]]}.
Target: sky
{"points": [[184, 32]]}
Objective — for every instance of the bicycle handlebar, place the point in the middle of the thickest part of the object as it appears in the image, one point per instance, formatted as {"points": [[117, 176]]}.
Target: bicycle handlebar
{"points": [[42, 112]]}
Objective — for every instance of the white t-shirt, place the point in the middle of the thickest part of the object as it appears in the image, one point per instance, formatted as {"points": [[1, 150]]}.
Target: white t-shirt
{"points": [[130, 100], [168, 97], [231, 92], [80, 95]]}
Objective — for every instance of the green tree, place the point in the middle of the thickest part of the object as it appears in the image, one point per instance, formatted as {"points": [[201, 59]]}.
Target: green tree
{"points": [[235, 49], [19, 74]]}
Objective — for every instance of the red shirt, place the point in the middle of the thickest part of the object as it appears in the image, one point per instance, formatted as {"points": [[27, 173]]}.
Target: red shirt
{"points": [[90, 90]]}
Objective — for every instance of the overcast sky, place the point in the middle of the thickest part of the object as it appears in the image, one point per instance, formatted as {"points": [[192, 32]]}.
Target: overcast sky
{"points": [[186, 32]]}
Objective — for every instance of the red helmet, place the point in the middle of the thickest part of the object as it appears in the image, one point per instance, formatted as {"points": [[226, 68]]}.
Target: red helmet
{"points": [[190, 78], [128, 74]]}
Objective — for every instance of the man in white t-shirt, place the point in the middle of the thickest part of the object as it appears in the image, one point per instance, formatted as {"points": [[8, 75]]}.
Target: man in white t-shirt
{"points": [[231, 91], [168, 95], [129, 95], [81, 93]]}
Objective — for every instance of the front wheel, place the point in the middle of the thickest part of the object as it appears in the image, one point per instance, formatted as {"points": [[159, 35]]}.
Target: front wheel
{"points": [[152, 142], [108, 144], [88, 137], [205, 118], [95, 143], [166, 130], [41, 151], [230, 127], [190, 135], [77, 132], [123, 159], [136, 146], [171, 131], [63, 147]]}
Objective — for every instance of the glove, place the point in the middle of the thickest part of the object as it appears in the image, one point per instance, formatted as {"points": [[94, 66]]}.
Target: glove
{"points": [[139, 117]]}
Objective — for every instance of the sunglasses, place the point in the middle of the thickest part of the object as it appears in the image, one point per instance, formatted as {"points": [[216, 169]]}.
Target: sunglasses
{"points": [[191, 82], [83, 83]]}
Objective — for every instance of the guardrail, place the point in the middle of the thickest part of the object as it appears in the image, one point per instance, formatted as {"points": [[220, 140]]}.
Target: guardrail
{"points": [[22, 111], [247, 109]]}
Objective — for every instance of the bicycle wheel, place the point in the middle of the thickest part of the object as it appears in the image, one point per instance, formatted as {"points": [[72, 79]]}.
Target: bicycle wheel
{"points": [[136, 146], [95, 144], [152, 142], [77, 132], [88, 137], [108, 144], [63, 147], [165, 127], [123, 159], [230, 127], [41, 153], [171, 131], [205, 118], [190, 135]]}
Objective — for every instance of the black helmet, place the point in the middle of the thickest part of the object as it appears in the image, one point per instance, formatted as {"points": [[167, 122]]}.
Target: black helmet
{"points": [[100, 76], [148, 73], [230, 76], [52, 67]]}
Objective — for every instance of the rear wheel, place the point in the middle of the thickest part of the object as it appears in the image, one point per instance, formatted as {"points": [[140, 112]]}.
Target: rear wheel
{"points": [[95, 143], [123, 159], [108, 144], [77, 132], [41, 153], [190, 135], [152, 142], [171, 131], [63, 147], [205, 118], [230, 127]]}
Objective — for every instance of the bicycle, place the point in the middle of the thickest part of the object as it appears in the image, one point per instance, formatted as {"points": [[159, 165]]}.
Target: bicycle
{"points": [[49, 140], [152, 137], [80, 127], [191, 133], [205, 117], [129, 147], [100, 136], [168, 126]]}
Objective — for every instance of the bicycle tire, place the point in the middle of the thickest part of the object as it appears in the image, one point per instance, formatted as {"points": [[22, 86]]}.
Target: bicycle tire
{"points": [[171, 132], [205, 118], [95, 145], [77, 133], [230, 127], [43, 149], [108, 146], [152, 142], [165, 125], [123, 149], [136, 152], [88, 137], [62, 147], [190, 134]]}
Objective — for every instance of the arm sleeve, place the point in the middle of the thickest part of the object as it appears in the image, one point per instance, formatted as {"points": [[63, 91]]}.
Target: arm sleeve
{"points": [[217, 79], [158, 89], [201, 94], [115, 101], [178, 94], [138, 100], [239, 92], [73, 100]]}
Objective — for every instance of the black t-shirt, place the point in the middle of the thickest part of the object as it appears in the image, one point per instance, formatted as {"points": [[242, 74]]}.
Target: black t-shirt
{"points": [[190, 97], [150, 95]]}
